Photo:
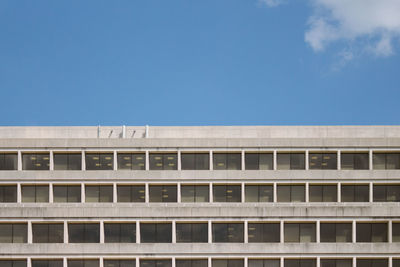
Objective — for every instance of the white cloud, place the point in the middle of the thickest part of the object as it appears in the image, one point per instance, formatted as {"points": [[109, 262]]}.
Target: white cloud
{"points": [[271, 3]]}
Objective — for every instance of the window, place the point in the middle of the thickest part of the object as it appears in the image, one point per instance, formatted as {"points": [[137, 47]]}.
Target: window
{"points": [[227, 263], [300, 263], [336, 263], [84, 232], [191, 263], [227, 161], [99, 161], [396, 263], [119, 263], [120, 233], [162, 193], [300, 232], [264, 232], [131, 193], [131, 161], [195, 193], [36, 161], [83, 263], [228, 232], [227, 193], [35, 193], [155, 263], [323, 193], [67, 193], [386, 161], [8, 162], [12, 263], [355, 193], [386, 193], [13, 232], [291, 161], [99, 193], [167, 161], [67, 161], [336, 232], [291, 193], [155, 232], [195, 161], [47, 263], [48, 233], [372, 262], [259, 161], [396, 232], [323, 161], [259, 193], [8, 193], [264, 263], [191, 232], [371, 232], [355, 161]]}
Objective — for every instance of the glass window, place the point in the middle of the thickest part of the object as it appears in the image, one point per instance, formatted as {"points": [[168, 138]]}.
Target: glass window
{"points": [[195, 161], [67, 161], [227, 161], [371, 232], [372, 262], [323, 161], [264, 232], [291, 161], [35, 193], [300, 232], [8, 162], [8, 193], [131, 193], [291, 193], [387, 193], [227, 193], [227, 262], [386, 161], [155, 232], [300, 263], [47, 263], [162, 193], [194, 193], [191, 263], [264, 263], [336, 263], [48, 232], [99, 193], [396, 232], [355, 193], [166, 161], [33, 161], [99, 161], [259, 193], [12, 263], [323, 193], [84, 232], [191, 232], [83, 263], [259, 161], [396, 263], [119, 263], [155, 263], [67, 193], [120, 233], [131, 161], [228, 232], [13, 233], [336, 232], [355, 161]]}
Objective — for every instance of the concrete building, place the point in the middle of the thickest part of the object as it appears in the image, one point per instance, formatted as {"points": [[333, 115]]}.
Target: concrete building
{"points": [[262, 196]]}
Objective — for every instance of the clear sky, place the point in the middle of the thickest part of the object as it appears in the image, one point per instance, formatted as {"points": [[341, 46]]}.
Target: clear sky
{"points": [[201, 62]]}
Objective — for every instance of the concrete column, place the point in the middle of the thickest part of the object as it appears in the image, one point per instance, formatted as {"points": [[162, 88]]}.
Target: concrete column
{"points": [[19, 161], [246, 261], [354, 226], [282, 262], [390, 231], [307, 161], [65, 262], [115, 194], [147, 160], [307, 197], [83, 160], [371, 192], [209, 232], [275, 160], [146, 193], [137, 232], [354, 262], [211, 161], [115, 160], [30, 234], [137, 262], [51, 195], [243, 192], [29, 262], [339, 192], [243, 161], [51, 161], [101, 232], [173, 231], [370, 159], [390, 260], [173, 263], [318, 234], [178, 189], [101, 261], [339, 161], [275, 192], [19, 193], [65, 232], [318, 261], [179, 167], [209, 262], [246, 231], [83, 193], [211, 192], [282, 229]]}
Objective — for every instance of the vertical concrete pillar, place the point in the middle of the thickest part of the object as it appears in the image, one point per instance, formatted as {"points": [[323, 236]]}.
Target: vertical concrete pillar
{"points": [[354, 226], [137, 262], [115, 193], [307, 160], [51, 161], [307, 186], [29, 262], [146, 193], [19, 193], [370, 159], [282, 232], [83, 160], [83, 193], [65, 262], [65, 232], [243, 160], [179, 196], [30, 234], [390, 231], [354, 262], [246, 261], [211, 161], [173, 231], [275, 192], [137, 232], [318, 261], [318, 229], [209, 262], [19, 161], [51, 194], [147, 160], [101, 261], [101, 232], [242, 192], [390, 260], [246, 231], [211, 192], [282, 262], [339, 160], [173, 262], [275, 160], [115, 160], [339, 192], [209, 232], [179, 167], [371, 192]]}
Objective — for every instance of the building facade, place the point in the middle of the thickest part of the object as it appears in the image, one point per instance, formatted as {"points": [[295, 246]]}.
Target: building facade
{"points": [[246, 196]]}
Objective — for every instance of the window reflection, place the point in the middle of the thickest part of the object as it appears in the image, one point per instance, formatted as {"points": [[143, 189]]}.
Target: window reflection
{"points": [[8, 161], [291, 193], [195, 193], [8, 193], [99, 193], [323, 161], [300, 232], [13, 232], [336, 263], [162, 193], [99, 161], [12, 263], [355, 193], [163, 161], [372, 262], [259, 161], [396, 232], [386, 193], [155, 232], [336, 232], [48, 233], [300, 263], [264, 232], [191, 232], [259, 193], [323, 193], [354, 161], [67, 193], [386, 161], [227, 193], [131, 161], [227, 161], [264, 263], [67, 161], [227, 262], [47, 263], [119, 232], [195, 161], [191, 263], [83, 263], [34, 161], [119, 263], [228, 232], [84, 232], [35, 193], [155, 263], [291, 161], [131, 193], [371, 232]]}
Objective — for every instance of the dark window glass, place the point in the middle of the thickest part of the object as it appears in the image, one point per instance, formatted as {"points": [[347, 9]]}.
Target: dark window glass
{"points": [[291, 161], [228, 232], [131, 161], [259, 193], [323, 161], [354, 161], [194, 193], [162, 193], [396, 232], [191, 232], [386, 193], [119, 263], [48, 233], [8, 193], [191, 263], [371, 232], [155, 263], [99, 193], [323, 193], [372, 262], [227, 193], [264, 232], [68, 161], [264, 263], [83, 263], [131, 193], [156, 232], [396, 263], [195, 161], [119, 232], [336, 232], [299, 232], [35, 193], [386, 161], [259, 161], [84, 232], [8, 162], [13, 233], [336, 263], [291, 193], [355, 193], [167, 161], [12, 263], [36, 161], [67, 193], [227, 263], [227, 161], [300, 263], [47, 263], [99, 161]]}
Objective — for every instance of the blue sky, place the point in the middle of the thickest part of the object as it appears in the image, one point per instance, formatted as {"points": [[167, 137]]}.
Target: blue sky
{"points": [[208, 62]]}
